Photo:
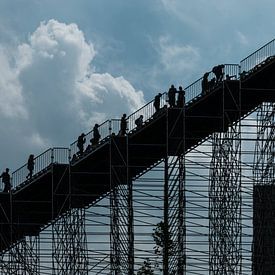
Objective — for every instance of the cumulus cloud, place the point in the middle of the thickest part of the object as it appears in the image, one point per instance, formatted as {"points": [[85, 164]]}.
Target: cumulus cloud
{"points": [[177, 60], [177, 57], [52, 91], [10, 90]]}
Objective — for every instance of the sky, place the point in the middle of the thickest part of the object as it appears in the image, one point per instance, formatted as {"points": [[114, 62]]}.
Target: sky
{"points": [[65, 65]]}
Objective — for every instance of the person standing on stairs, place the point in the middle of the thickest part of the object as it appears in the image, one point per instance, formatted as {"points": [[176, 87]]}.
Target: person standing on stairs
{"points": [[6, 179], [181, 98], [30, 166], [157, 102], [123, 125], [80, 144]]}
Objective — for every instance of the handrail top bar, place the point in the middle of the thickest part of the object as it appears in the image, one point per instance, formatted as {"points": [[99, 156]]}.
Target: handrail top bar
{"points": [[258, 50], [108, 120], [46, 151], [145, 105], [225, 64]]}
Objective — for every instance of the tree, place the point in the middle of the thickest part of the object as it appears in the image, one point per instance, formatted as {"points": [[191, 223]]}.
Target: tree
{"points": [[160, 233], [146, 268], [159, 239]]}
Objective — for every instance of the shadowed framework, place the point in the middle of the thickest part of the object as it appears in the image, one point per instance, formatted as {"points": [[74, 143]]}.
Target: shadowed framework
{"points": [[188, 168]]}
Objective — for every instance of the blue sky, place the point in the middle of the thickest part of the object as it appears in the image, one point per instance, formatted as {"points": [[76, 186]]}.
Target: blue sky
{"points": [[68, 64]]}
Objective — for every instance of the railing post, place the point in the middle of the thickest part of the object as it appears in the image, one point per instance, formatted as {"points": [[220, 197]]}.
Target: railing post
{"points": [[69, 155], [110, 127], [52, 155]]}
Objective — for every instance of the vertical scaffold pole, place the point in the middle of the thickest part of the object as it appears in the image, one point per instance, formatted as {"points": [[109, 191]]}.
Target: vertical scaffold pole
{"points": [[263, 192], [225, 228], [69, 240], [121, 209]]}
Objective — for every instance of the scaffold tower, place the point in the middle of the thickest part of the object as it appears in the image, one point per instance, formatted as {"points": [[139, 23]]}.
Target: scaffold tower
{"points": [[188, 191]]}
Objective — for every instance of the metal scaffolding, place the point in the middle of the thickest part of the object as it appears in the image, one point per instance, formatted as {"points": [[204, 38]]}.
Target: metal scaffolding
{"points": [[264, 188], [69, 244], [168, 197], [225, 203]]}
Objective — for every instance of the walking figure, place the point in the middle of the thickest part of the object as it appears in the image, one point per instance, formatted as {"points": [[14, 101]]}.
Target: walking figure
{"points": [[139, 121], [205, 83], [123, 125], [181, 98], [80, 143], [30, 166], [157, 102], [96, 134], [172, 96], [218, 71], [6, 179]]}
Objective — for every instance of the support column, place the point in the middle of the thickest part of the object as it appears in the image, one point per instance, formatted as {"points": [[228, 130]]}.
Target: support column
{"points": [[263, 192], [22, 258], [70, 251], [121, 210], [225, 203]]}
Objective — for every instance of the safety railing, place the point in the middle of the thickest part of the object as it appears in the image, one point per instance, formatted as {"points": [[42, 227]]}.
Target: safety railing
{"points": [[265, 53], [230, 72], [41, 163], [115, 126], [147, 111], [112, 127], [104, 131]]}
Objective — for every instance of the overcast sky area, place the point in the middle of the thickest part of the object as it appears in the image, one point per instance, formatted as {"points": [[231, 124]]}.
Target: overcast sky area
{"points": [[67, 64]]}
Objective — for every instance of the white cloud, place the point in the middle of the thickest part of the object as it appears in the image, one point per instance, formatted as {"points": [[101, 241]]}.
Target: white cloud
{"points": [[53, 88], [12, 102], [242, 38], [177, 57]]}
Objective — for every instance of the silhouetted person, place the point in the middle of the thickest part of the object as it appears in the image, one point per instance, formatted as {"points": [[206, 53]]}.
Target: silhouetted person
{"points": [[74, 158], [96, 135], [123, 125], [6, 179], [139, 121], [181, 98], [30, 166], [205, 83], [157, 102], [80, 143], [211, 84], [172, 96], [218, 71]]}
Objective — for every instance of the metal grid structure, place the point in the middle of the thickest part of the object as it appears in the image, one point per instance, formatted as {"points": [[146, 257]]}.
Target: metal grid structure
{"points": [[225, 203], [200, 212], [263, 198]]}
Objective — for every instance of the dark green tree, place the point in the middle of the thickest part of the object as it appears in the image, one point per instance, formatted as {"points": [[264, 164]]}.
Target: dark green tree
{"points": [[146, 268], [160, 233], [159, 239]]}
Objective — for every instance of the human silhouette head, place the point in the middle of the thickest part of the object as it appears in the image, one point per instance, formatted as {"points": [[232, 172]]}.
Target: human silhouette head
{"points": [[7, 170], [96, 125], [180, 88]]}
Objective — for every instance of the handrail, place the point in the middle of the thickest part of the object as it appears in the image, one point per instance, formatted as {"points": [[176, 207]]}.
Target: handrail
{"points": [[104, 131], [257, 57], [147, 111], [258, 50], [41, 162], [112, 126], [194, 90]]}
